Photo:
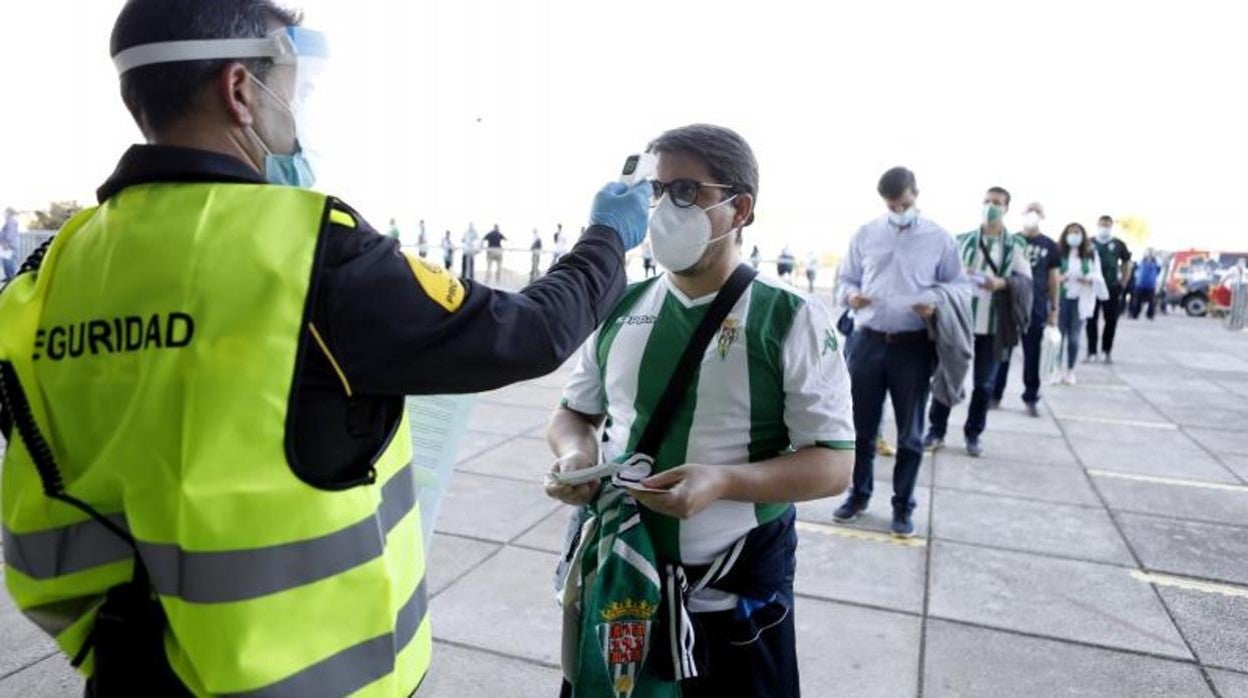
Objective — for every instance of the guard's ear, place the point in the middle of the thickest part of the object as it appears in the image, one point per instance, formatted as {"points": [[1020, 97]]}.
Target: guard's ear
{"points": [[237, 93]]}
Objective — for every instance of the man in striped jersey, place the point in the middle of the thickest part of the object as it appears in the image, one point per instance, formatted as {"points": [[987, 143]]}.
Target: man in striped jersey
{"points": [[767, 420], [990, 255]]}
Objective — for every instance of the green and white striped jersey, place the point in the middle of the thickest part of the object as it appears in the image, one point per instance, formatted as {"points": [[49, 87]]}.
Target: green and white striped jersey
{"points": [[1009, 254], [773, 379]]}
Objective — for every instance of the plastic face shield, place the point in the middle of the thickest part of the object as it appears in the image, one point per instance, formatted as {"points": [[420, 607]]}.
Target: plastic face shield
{"points": [[302, 53]]}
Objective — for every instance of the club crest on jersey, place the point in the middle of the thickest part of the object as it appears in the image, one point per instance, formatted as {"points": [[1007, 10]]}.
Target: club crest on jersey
{"points": [[829, 342], [728, 333], [625, 640]]}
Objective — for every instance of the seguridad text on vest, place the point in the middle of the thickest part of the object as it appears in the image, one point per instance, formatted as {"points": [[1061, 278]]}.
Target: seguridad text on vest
{"points": [[132, 333]]}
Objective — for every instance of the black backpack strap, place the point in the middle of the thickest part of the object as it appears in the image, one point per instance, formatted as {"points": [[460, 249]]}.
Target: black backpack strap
{"points": [[678, 384]]}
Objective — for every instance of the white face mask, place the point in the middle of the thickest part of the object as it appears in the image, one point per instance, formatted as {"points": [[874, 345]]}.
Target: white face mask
{"points": [[680, 236], [905, 218], [1031, 220], [1103, 233], [1074, 240]]}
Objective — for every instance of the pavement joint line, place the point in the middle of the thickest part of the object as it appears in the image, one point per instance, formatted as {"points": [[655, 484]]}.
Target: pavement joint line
{"points": [[1076, 643], [860, 534], [1166, 517], [1189, 584], [1135, 555], [1157, 480], [931, 540], [1017, 633], [458, 578], [989, 458], [1199, 444], [31, 665], [858, 604], [1018, 497], [911, 614], [495, 476], [528, 530], [921, 670], [1178, 628], [1168, 426], [496, 653]]}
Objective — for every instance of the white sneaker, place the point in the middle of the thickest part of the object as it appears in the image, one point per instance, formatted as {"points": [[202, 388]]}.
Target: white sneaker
{"points": [[1070, 378], [1058, 378]]}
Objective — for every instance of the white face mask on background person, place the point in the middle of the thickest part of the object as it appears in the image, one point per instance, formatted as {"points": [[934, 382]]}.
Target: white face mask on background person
{"points": [[1103, 233], [1031, 220], [905, 218], [1074, 240], [680, 236]]}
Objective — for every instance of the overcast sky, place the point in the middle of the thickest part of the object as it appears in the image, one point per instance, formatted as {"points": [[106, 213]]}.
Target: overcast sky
{"points": [[515, 112]]}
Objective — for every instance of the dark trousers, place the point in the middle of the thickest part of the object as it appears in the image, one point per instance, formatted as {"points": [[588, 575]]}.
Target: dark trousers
{"points": [[984, 375], [1068, 323], [1031, 365], [1110, 308], [469, 263], [903, 371], [1139, 298]]}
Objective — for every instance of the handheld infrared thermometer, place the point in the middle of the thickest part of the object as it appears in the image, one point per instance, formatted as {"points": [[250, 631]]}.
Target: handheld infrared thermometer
{"points": [[639, 168]]}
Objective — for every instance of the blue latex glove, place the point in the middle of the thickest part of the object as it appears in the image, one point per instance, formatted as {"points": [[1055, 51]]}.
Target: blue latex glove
{"points": [[624, 210]]}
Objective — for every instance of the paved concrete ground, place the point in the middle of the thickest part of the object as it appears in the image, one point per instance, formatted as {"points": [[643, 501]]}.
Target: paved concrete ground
{"points": [[1101, 550]]}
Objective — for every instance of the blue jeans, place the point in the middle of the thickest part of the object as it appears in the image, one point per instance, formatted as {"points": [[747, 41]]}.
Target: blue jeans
{"points": [[1070, 325], [903, 371], [984, 375], [1031, 365], [10, 267]]}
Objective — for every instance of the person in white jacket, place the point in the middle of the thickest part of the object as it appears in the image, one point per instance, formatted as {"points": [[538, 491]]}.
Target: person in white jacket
{"points": [[1082, 285]]}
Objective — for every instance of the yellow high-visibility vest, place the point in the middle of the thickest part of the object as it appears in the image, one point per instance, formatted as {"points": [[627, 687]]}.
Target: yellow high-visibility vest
{"points": [[155, 352]]}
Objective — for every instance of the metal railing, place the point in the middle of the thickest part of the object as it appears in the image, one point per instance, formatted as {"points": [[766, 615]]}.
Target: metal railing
{"points": [[29, 241]]}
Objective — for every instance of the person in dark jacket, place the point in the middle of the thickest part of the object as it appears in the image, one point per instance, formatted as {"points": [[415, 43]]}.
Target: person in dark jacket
{"points": [[1045, 258]]}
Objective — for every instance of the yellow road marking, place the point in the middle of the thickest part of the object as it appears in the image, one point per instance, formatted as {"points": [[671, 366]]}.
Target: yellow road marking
{"points": [[1167, 580], [1169, 481], [859, 534], [1120, 422]]}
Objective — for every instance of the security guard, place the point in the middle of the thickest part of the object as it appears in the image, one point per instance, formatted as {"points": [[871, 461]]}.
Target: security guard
{"points": [[207, 488]]}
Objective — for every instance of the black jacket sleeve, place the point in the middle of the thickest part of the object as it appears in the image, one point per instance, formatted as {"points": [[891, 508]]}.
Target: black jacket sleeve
{"points": [[392, 333]]}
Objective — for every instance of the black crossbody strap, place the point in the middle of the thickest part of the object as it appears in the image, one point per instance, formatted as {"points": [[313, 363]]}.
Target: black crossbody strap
{"points": [[678, 384], [988, 255]]}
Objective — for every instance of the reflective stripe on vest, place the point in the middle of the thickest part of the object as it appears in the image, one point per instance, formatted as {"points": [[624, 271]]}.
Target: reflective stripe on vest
{"points": [[157, 347], [219, 576]]}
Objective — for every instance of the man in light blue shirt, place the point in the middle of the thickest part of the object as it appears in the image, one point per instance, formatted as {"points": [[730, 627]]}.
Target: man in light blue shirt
{"points": [[888, 279]]}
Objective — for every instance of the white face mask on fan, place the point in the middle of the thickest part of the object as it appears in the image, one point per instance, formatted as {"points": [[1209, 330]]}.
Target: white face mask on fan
{"points": [[680, 236]]}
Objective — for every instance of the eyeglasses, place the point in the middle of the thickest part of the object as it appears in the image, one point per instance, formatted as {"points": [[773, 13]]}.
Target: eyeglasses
{"points": [[684, 192]]}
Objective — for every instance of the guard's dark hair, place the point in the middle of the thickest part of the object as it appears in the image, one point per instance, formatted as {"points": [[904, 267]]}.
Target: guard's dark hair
{"points": [[1002, 192], [724, 152], [159, 94], [896, 182], [1106, 219]]}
